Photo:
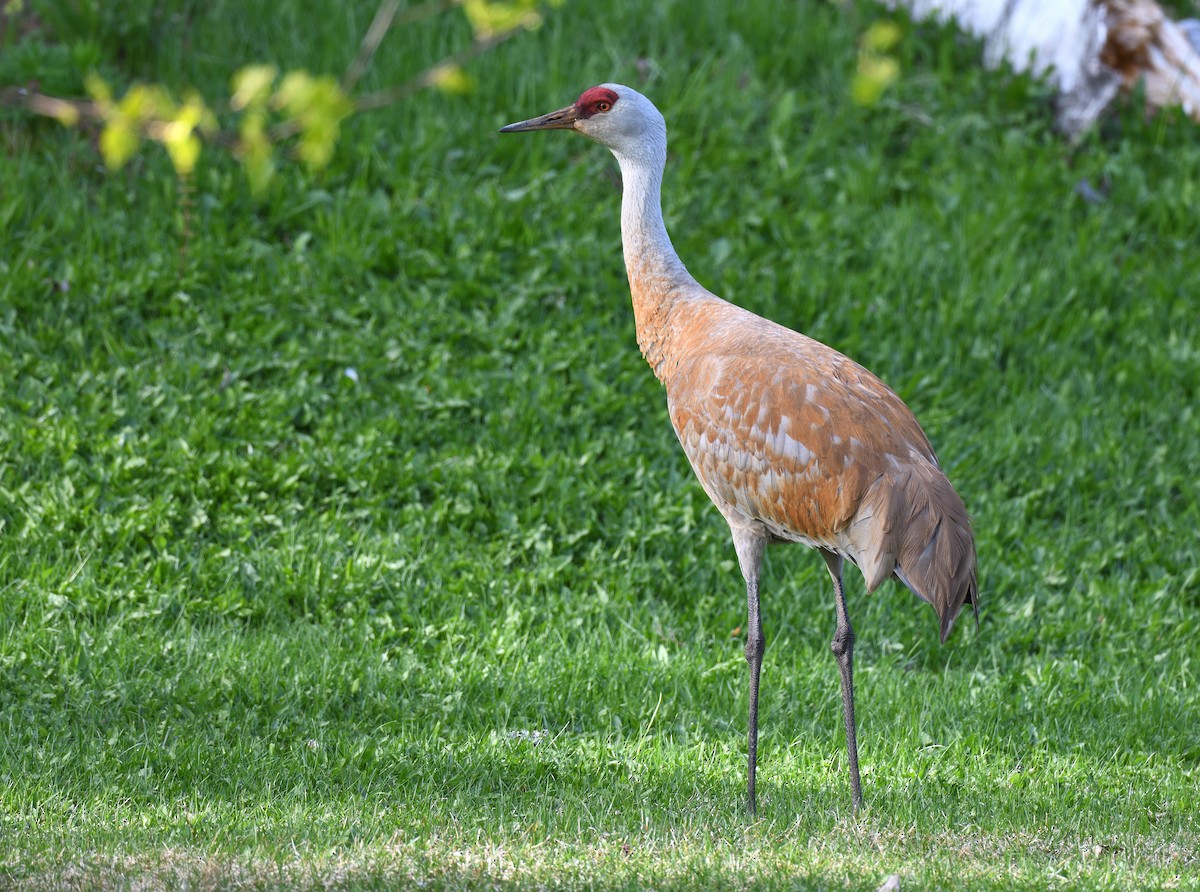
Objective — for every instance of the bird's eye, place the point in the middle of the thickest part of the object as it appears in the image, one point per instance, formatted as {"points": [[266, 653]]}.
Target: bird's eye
{"points": [[603, 106]]}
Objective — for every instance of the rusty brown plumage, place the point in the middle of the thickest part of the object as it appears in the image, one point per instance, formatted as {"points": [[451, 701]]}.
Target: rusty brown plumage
{"points": [[792, 441], [786, 432]]}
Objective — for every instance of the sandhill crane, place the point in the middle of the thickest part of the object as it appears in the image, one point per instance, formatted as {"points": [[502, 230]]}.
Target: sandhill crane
{"points": [[792, 441]]}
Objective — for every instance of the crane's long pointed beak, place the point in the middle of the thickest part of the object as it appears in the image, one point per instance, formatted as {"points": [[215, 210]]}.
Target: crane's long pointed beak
{"points": [[563, 119]]}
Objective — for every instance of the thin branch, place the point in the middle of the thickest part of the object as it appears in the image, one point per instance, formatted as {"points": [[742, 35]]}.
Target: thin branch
{"points": [[49, 106], [370, 42]]}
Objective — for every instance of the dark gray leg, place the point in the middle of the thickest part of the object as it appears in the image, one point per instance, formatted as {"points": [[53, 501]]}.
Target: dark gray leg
{"points": [[749, 550], [843, 648], [755, 642]]}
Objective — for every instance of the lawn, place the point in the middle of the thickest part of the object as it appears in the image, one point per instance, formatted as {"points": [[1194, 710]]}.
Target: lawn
{"points": [[344, 541]]}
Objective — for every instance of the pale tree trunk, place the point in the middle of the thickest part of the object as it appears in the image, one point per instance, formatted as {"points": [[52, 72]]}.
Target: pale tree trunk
{"points": [[1090, 50]]}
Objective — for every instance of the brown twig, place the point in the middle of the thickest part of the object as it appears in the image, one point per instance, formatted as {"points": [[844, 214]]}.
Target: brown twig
{"points": [[49, 106], [370, 42]]}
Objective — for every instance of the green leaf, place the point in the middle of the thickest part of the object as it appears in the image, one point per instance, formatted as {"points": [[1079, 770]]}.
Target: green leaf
{"points": [[490, 17], [179, 135], [316, 106], [881, 37], [119, 141], [453, 79], [876, 69], [255, 150], [252, 86], [874, 76], [98, 89]]}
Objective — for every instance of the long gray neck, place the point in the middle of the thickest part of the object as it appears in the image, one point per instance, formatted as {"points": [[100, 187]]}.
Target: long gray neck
{"points": [[658, 279]]}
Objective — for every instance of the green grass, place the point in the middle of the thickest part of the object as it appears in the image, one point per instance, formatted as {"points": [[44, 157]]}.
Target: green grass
{"points": [[462, 617]]}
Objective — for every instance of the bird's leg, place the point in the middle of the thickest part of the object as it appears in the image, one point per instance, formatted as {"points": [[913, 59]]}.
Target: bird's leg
{"points": [[843, 648], [755, 643], [749, 551]]}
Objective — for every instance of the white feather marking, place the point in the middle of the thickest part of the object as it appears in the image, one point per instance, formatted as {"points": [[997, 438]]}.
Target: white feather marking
{"points": [[782, 443], [793, 448]]}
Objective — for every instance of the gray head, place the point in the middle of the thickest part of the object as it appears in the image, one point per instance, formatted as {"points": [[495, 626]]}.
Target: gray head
{"points": [[613, 115]]}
